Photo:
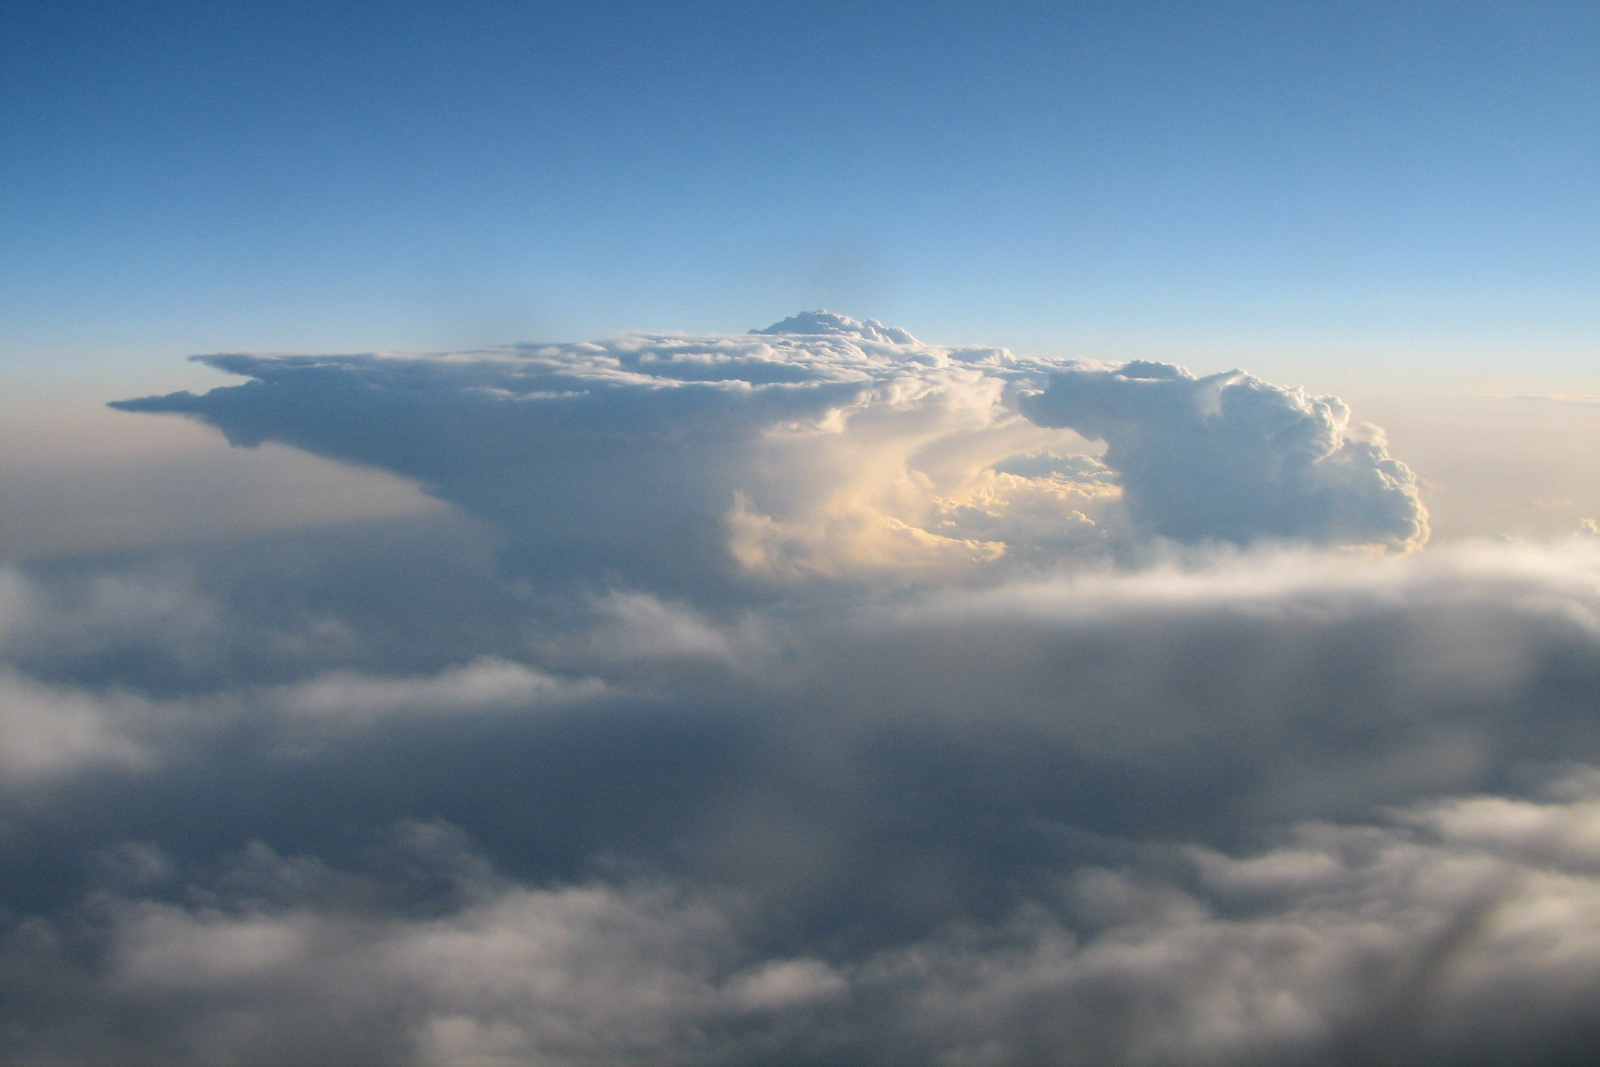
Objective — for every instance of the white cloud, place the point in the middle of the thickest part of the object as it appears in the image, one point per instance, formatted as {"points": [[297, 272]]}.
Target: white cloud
{"points": [[821, 448], [1234, 458]]}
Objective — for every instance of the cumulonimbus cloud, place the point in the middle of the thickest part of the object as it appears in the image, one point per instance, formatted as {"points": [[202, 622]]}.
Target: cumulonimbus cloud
{"points": [[822, 447], [945, 797]]}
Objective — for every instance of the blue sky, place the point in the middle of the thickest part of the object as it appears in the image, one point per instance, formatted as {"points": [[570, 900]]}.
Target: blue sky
{"points": [[1328, 192]]}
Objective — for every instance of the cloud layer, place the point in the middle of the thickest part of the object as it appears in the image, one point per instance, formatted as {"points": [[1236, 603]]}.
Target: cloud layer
{"points": [[1293, 809], [806, 698]]}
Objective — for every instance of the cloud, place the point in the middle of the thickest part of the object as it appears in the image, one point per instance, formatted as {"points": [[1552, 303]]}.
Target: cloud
{"points": [[822, 448], [1280, 808], [826, 323], [800, 698], [46, 729], [1231, 457], [348, 698], [1431, 938]]}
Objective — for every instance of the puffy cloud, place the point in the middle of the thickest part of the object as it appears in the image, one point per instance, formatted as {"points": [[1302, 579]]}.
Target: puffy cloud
{"points": [[821, 448], [1432, 938], [822, 323], [1229, 456], [1283, 808]]}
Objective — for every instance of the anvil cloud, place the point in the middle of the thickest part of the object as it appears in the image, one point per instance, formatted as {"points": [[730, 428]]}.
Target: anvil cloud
{"points": [[817, 696], [825, 447]]}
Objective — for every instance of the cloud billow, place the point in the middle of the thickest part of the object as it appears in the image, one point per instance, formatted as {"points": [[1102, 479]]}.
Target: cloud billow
{"points": [[822, 448], [1234, 458]]}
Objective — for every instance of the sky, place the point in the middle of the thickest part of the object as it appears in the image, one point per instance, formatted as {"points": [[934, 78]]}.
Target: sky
{"points": [[464, 602], [1366, 185]]}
